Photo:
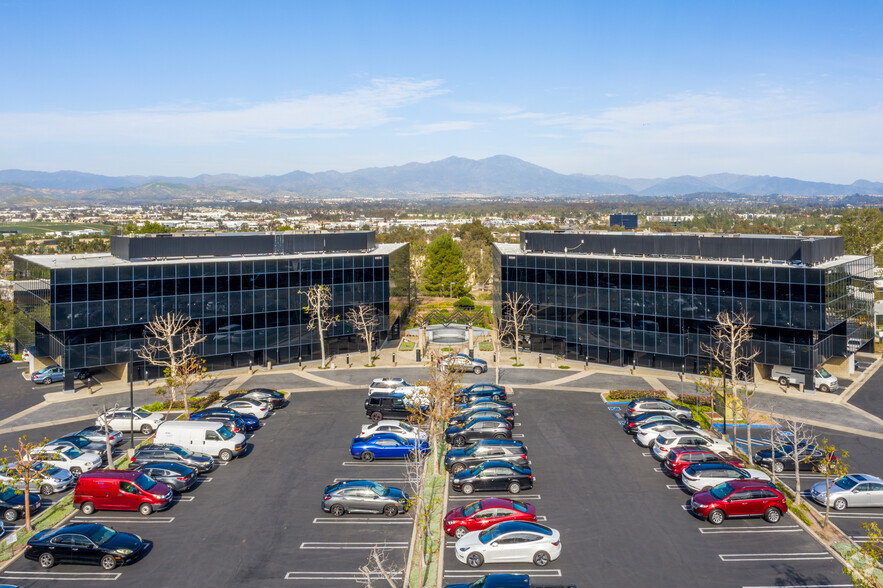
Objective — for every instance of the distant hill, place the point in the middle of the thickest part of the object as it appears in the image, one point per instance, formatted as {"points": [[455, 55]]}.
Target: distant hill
{"points": [[500, 175]]}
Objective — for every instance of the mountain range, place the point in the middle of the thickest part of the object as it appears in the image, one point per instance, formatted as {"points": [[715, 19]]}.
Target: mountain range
{"points": [[500, 175]]}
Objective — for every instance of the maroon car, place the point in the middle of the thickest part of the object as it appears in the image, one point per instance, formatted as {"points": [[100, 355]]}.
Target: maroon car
{"points": [[680, 458], [479, 515], [739, 498]]}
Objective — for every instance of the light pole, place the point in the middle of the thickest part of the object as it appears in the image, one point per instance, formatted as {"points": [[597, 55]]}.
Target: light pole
{"points": [[131, 398], [451, 290]]}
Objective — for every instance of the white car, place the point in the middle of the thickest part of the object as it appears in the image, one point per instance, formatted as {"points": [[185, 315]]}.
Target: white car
{"points": [[509, 542], [256, 408], [385, 385], [420, 393], [648, 433], [400, 428], [142, 420], [67, 458], [665, 442], [708, 475]]}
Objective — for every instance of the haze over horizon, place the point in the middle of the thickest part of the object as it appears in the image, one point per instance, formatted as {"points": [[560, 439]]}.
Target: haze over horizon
{"points": [[638, 90]]}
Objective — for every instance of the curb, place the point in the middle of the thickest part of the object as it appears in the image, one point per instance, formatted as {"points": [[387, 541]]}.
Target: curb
{"points": [[440, 567], [822, 542], [19, 555]]}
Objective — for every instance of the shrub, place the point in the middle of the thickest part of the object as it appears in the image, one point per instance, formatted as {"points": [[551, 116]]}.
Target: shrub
{"points": [[485, 346], [696, 399], [196, 403], [632, 394], [407, 346], [465, 302]]}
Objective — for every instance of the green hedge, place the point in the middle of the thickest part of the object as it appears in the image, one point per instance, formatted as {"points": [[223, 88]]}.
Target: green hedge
{"points": [[407, 346], [196, 403], [465, 302], [632, 394], [696, 399]]}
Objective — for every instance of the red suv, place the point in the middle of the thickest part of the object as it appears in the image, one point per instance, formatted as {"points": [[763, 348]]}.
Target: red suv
{"points": [[482, 514], [680, 458], [120, 490], [739, 498]]}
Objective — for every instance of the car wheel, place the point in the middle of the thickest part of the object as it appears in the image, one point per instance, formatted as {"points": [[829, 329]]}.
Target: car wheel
{"points": [[376, 416], [457, 468], [474, 560], [76, 472], [413, 455], [541, 558], [146, 429], [824, 389], [839, 504], [496, 397], [337, 510], [46, 490], [460, 531], [468, 489], [499, 436], [10, 514], [225, 455], [778, 467], [390, 510], [783, 381], [46, 560], [367, 456], [145, 509], [514, 488], [458, 441], [476, 370], [772, 515], [716, 516], [87, 508], [108, 562]]}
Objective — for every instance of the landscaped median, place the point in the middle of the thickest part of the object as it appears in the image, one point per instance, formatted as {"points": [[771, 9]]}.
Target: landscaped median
{"points": [[428, 536]]}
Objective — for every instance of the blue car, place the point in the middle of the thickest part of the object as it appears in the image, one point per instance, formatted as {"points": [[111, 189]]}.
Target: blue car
{"points": [[245, 422], [5, 357], [386, 446], [482, 391], [55, 373]]}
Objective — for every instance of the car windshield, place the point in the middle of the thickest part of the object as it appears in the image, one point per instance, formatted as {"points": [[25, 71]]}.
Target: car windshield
{"points": [[180, 451], [406, 427], [721, 491], [142, 413], [72, 453], [846, 483], [145, 482], [380, 490], [471, 509], [823, 372], [519, 506], [102, 535], [471, 449], [7, 493], [225, 433], [489, 535], [45, 468]]}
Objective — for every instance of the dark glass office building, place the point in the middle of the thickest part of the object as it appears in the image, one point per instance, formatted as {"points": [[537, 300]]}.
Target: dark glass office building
{"points": [[627, 221], [650, 299], [245, 289]]}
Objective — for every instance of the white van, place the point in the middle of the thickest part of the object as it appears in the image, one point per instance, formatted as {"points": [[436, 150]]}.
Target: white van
{"points": [[822, 380], [206, 437]]}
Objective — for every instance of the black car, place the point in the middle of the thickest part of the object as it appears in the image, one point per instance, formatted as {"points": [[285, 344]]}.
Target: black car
{"points": [[364, 496], [493, 476], [274, 398], [388, 406], [164, 453], [466, 415], [176, 476], [489, 404], [476, 429], [457, 460], [480, 392], [86, 543], [12, 503], [810, 458], [251, 423]]}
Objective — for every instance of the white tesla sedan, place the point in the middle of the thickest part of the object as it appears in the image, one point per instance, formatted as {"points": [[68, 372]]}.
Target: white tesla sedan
{"points": [[667, 441], [701, 476], [509, 542], [400, 428]]}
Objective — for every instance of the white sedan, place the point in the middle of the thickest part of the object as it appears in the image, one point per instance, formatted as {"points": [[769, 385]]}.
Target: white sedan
{"points": [[665, 442], [648, 433], [67, 458], [256, 408], [400, 428], [126, 419], [509, 542], [700, 476]]}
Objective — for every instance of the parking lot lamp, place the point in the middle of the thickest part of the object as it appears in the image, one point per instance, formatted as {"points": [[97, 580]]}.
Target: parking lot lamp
{"points": [[131, 399]]}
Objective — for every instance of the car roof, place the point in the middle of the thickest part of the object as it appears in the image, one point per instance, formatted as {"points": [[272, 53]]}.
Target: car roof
{"points": [[77, 528], [111, 475], [377, 436], [501, 464], [518, 526], [172, 465], [496, 503], [387, 380], [355, 484], [504, 442], [750, 483], [865, 478], [698, 467]]}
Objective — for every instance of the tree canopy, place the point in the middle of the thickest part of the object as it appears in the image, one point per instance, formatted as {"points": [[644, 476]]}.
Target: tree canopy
{"points": [[862, 232], [444, 273]]}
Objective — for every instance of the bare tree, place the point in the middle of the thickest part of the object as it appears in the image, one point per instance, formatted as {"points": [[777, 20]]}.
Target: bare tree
{"points": [[23, 471], [832, 468], [517, 310], [742, 405], [379, 570], [502, 330], [171, 342], [319, 309], [793, 440], [364, 319]]}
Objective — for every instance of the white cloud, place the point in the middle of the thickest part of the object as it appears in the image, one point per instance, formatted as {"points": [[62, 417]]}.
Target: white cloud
{"points": [[426, 129]]}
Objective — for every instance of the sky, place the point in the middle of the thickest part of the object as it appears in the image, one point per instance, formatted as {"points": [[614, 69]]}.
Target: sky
{"points": [[635, 89]]}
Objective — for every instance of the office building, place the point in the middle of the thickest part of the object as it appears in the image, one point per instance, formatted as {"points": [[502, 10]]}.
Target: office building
{"points": [[628, 222]]}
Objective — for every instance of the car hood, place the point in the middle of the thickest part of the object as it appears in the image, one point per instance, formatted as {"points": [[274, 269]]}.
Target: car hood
{"points": [[453, 454], [19, 499], [469, 540], [455, 514], [396, 494], [453, 429], [819, 488], [123, 541]]}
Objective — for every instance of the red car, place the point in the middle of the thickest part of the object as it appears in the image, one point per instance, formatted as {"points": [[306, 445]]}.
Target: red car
{"points": [[482, 514], [680, 458], [739, 498]]}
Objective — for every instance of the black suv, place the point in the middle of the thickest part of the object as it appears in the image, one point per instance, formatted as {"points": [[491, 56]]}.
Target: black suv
{"points": [[514, 452], [388, 406], [171, 453], [476, 429]]}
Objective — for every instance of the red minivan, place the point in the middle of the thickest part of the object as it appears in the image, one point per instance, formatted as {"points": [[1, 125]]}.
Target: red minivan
{"points": [[120, 490]]}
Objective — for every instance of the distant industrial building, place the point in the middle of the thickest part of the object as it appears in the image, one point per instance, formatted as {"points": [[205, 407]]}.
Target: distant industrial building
{"points": [[628, 222]]}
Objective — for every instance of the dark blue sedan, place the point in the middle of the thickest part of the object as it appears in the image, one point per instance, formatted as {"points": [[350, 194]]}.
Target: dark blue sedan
{"points": [[481, 391], [245, 422], [386, 446]]}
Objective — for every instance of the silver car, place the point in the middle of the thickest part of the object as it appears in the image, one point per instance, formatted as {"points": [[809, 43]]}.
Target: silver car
{"points": [[851, 490], [49, 479], [658, 406], [648, 433], [96, 434]]}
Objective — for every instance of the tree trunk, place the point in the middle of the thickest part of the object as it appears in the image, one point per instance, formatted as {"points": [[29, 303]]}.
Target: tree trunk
{"points": [[516, 329], [797, 495], [368, 340], [321, 338]]}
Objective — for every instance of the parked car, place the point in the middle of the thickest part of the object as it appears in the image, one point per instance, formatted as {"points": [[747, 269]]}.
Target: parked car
{"points": [[250, 423], [150, 454], [657, 406], [506, 581], [809, 458], [81, 443], [488, 404], [463, 363], [274, 398], [739, 498], [703, 476], [255, 408], [465, 416], [231, 423], [177, 476], [480, 515], [388, 406], [386, 446], [459, 459], [630, 425], [85, 544], [48, 479], [851, 490], [12, 503], [126, 419], [400, 428], [68, 458], [480, 392], [55, 373], [493, 476], [667, 441], [364, 496], [205, 437], [28, 352], [646, 434], [96, 434], [120, 490], [509, 542], [477, 429], [385, 385], [5, 357], [681, 458]]}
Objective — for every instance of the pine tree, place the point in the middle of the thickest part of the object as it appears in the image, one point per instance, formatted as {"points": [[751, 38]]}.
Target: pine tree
{"points": [[445, 273]]}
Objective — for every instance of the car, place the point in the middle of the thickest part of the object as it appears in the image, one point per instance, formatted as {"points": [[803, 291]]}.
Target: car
{"points": [[121, 490], [96, 434], [384, 385], [177, 476], [85, 543], [150, 454], [230, 422], [69, 458], [5, 357], [681, 458], [506, 581], [482, 514], [81, 443], [739, 498], [702, 476], [274, 398], [255, 408], [850, 490], [640, 406], [459, 459], [55, 373], [400, 428], [509, 542], [250, 423], [809, 457], [492, 476], [500, 406], [364, 496], [12, 503], [630, 425], [386, 446], [389, 406], [28, 352], [646, 434], [476, 429], [47, 480], [463, 363], [465, 416], [480, 392], [126, 419], [667, 441]]}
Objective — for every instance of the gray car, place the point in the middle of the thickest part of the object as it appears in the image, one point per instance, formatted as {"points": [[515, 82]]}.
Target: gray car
{"points": [[658, 406], [851, 490], [463, 363], [364, 496], [48, 480]]}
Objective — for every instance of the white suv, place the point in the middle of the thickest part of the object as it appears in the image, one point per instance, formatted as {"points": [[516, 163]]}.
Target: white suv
{"points": [[385, 385], [68, 458]]}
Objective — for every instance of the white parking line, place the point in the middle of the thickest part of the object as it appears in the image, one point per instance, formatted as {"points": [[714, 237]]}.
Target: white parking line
{"points": [[518, 435], [776, 529], [674, 487], [646, 453], [179, 498], [509, 496], [860, 538], [201, 479], [855, 515], [347, 576], [805, 586], [353, 545], [739, 557], [361, 521], [382, 480], [68, 576], [657, 470], [151, 520], [517, 425], [541, 519], [534, 573], [372, 464]]}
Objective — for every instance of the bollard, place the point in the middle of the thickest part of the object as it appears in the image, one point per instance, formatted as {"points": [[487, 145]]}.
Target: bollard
{"points": [[347, 359], [540, 359], [495, 357], [393, 357], [300, 360], [418, 356]]}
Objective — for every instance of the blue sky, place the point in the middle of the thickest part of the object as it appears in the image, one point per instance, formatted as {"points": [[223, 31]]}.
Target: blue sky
{"points": [[637, 89]]}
